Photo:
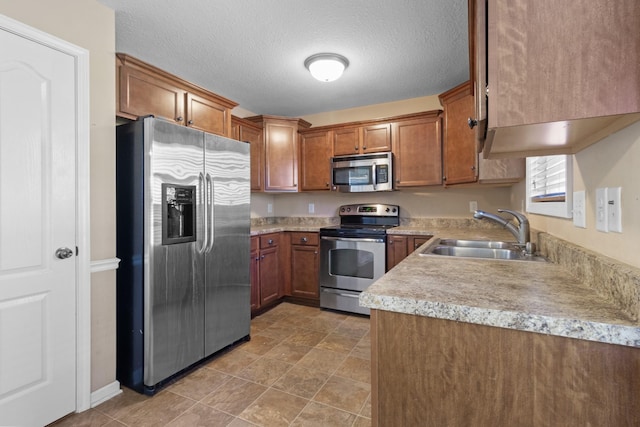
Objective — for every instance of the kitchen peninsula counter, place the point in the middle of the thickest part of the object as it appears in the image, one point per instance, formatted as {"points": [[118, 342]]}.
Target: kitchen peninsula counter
{"points": [[540, 297]]}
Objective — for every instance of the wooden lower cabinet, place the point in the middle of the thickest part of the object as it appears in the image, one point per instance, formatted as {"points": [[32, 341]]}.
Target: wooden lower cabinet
{"points": [[400, 246], [266, 278], [305, 261], [434, 372]]}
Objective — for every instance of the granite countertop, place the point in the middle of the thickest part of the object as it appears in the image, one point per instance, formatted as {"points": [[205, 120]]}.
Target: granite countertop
{"points": [[276, 228], [523, 295]]}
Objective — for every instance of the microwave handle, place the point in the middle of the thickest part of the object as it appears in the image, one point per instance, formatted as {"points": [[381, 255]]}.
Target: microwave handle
{"points": [[374, 171]]}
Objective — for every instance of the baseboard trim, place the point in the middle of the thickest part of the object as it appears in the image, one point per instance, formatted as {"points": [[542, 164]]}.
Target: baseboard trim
{"points": [[105, 393]]}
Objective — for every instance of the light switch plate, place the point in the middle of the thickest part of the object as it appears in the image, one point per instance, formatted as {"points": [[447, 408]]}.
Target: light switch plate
{"points": [[614, 209], [473, 206], [602, 221], [579, 214], [269, 208], [312, 207]]}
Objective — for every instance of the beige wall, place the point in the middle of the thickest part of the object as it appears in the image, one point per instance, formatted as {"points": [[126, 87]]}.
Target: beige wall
{"points": [[424, 202], [612, 162], [377, 111], [90, 25]]}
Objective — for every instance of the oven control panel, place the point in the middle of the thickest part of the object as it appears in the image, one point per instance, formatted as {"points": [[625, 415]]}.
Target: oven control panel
{"points": [[377, 209]]}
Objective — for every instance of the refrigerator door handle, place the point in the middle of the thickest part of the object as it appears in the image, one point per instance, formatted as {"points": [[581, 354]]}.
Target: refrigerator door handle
{"points": [[209, 213], [203, 200]]}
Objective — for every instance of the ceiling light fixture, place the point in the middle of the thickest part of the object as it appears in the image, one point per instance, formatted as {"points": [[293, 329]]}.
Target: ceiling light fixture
{"points": [[326, 67]]}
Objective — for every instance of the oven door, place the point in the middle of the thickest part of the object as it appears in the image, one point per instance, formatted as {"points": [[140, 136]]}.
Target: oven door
{"points": [[351, 263]]}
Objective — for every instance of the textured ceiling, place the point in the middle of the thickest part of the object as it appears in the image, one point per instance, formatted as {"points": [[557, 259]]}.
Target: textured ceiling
{"points": [[253, 51]]}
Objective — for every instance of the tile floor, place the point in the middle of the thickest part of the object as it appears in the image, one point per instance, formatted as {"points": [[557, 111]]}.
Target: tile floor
{"points": [[303, 367]]}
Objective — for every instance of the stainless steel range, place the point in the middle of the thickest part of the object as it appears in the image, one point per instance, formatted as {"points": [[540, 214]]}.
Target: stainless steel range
{"points": [[353, 254]]}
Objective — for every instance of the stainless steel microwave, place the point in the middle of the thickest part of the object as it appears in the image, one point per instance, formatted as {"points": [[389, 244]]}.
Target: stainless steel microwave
{"points": [[362, 173]]}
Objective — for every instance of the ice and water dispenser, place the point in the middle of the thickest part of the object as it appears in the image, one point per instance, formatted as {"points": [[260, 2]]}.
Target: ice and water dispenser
{"points": [[178, 214]]}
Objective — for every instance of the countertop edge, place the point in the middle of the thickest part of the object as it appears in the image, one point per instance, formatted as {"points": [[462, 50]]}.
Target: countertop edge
{"points": [[569, 328]]}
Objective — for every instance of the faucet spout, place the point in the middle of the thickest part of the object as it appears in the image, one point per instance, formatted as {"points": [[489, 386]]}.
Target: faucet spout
{"points": [[520, 232]]}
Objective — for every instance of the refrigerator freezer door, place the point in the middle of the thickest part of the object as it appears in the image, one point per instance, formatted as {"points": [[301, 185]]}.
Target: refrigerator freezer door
{"points": [[174, 279], [227, 285]]}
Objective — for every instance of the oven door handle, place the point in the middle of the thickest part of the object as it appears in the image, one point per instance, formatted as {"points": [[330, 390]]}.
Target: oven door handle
{"points": [[352, 239], [374, 172], [342, 294]]}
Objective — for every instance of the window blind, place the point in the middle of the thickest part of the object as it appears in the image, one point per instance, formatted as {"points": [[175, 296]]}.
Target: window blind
{"points": [[547, 180]]}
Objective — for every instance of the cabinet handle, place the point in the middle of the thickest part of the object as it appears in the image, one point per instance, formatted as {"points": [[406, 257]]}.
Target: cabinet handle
{"points": [[444, 178], [257, 258], [262, 257], [355, 148], [472, 122], [190, 122], [326, 184], [315, 253], [270, 241], [304, 240], [473, 168], [364, 148], [179, 119]]}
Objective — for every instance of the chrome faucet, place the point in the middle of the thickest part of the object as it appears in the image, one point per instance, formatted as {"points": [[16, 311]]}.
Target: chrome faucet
{"points": [[521, 231]]}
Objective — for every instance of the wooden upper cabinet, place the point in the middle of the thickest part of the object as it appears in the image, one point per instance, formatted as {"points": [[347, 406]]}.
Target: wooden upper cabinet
{"points": [[461, 162], [146, 90], [141, 93], [208, 115], [315, 152], [372, 138], [376, 138], [560, 76], [280, 151], [459, 150], [347, 141], [417, 149], [244, 130]]}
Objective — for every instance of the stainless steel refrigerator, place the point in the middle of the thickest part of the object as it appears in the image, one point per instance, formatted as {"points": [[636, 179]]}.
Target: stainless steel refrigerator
{"points": [[183, 220]]}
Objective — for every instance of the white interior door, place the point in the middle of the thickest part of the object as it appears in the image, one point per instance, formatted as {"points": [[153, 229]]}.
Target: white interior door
{"points": [[37, 226]]}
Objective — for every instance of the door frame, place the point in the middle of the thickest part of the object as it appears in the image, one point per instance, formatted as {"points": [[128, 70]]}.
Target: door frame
{"points": [[83, 259]]}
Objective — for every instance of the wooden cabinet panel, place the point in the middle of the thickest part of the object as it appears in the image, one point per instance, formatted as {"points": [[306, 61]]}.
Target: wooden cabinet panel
{"points": [[305, 261], [417, 150], [347, 141], [376, 138], [461, 161], [399, 246], [266, 277], [243, 130], [141, 94], [144, 89], [280, 151], [315, 152], [269, 275], [396, 250], [459, 152], [254, 272], [207, 115], [467, 374], [304, 272], [561, 76]]}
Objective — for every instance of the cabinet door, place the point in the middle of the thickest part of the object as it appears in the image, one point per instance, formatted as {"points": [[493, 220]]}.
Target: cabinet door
{"points": [[396, 250], [255, 279], [254, 137], [315, 153], [269, 275], [460, 155], [418, 152], [347, 141], [281, 157], [304, 272], [376, 138], [207, 115], [414, 243], [141, 94]]}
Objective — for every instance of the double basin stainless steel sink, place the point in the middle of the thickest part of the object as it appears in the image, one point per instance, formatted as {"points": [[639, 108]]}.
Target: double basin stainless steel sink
{"points": [[487, 249]]}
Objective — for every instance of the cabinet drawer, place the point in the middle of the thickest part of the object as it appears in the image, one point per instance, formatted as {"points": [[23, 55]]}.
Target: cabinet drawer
{"points": [[304, 238], [269, 240]]}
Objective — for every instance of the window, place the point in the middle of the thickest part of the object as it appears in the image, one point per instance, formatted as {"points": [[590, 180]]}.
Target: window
{"points": [[549, 189]]}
